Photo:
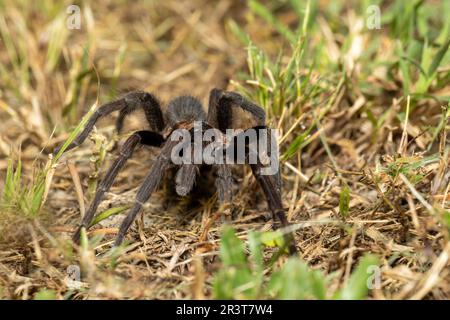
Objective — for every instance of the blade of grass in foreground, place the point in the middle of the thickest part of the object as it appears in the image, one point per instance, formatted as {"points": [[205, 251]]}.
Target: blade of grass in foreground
{"points": [[75, 132], [30, 198], [358, 285], [108, 213]]}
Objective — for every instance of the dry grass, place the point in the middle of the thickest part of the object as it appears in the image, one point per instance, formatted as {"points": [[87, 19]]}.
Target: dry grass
{"points": [[396, 169]]}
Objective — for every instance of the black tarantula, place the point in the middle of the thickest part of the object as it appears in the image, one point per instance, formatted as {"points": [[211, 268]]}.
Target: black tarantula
{"points": [[224, 112]]}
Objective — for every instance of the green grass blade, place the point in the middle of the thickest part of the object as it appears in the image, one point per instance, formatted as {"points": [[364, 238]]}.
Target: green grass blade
{"points": [[108, 213], [438, 58], [357, 286]]}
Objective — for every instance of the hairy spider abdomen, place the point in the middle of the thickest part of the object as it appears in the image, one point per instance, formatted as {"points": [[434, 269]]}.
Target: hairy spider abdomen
{"points": [[184, 108]]}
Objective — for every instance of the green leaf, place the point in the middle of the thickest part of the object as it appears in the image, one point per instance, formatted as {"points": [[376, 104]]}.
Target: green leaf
{"points": [[8, 190], [358, 285], [235, 280], [438, 58], [272, 239], [254, 240], [297, 281], [231, 249], [265, 13], [76, 131], [238, 32], [404, 70], [84, 241], [36, 196], [45, 294], [108, 213], [295, 146]]}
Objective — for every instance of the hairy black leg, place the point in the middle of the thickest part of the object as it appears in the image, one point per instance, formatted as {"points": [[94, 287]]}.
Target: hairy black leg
{"points": [[150, 138], [220, 105], [273, 196], [185, 178], [213, 107], [271, 144], [151, 182], [151, 107], [224, 185], [252, 146], [140, 137], [130, 101]]}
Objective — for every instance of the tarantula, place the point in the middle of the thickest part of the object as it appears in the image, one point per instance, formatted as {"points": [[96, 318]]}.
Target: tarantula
{"points": [[225, 112]]}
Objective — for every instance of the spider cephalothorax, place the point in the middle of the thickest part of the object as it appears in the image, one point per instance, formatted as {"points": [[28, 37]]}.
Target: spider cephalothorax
{"points": [[226, 111]]}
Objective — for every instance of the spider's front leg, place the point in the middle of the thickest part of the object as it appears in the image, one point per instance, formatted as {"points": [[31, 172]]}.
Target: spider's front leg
{"points": [[224, 186], [222, 105], [273, 196], [141, 137], [151, 182], [269, 177], [220, 115], [125, 105]]}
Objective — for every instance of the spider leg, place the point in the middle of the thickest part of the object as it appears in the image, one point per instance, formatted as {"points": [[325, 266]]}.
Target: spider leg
{"points": [[131, 101], [140, 137], [220, 109], [273, 196], [151, 182], [270, 183], [152, 111], [213, 107], [224, 185], [185, 178]]}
